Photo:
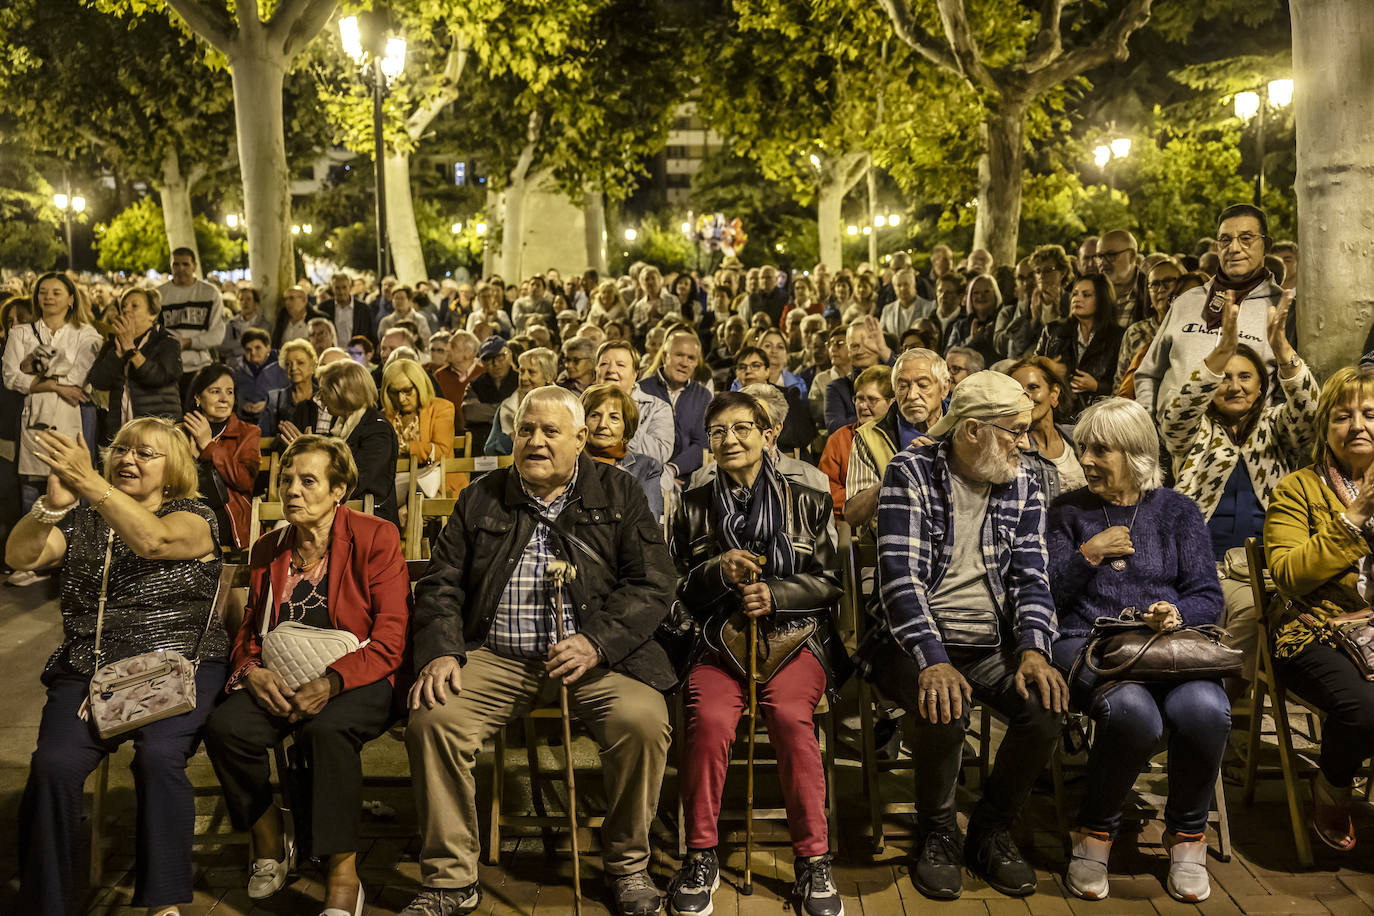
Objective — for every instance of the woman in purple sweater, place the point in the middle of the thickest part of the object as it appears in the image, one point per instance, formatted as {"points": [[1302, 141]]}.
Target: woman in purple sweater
{"points": [[1125, 541]]}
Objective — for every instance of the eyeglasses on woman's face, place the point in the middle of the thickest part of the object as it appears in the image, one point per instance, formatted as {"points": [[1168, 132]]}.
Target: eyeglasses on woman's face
{"points": [[741, 429], [142, 453]]}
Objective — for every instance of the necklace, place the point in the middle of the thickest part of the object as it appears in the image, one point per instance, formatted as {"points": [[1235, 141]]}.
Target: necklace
{"points": [[300, 567], [1119, 563]]}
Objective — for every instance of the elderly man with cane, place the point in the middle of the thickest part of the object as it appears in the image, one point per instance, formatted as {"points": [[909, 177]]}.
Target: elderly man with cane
{"points": [[487, 646]]}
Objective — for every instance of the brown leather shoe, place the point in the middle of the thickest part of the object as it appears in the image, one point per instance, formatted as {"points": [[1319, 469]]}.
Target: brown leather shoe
{"points": [[1331, 814]]}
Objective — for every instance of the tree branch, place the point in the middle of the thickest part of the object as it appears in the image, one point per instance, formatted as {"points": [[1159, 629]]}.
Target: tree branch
{"points": [[207, 22], [295, 22], [522, 165], [959, 34], [1048, 42], [904, 24], [446, 92], [1110, 45], [852, 167]]}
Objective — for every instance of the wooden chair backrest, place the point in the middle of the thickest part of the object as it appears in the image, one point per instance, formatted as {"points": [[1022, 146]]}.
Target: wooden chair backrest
{"points": [[270, 510], [421, 507]]}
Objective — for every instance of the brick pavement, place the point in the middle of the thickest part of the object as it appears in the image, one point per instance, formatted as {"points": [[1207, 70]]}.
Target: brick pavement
{"points": [[1261, 878]]}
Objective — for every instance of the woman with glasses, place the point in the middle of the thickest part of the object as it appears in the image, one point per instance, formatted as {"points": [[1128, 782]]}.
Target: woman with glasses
{"points": [[163, 571], [423, 422], [751, 541]]}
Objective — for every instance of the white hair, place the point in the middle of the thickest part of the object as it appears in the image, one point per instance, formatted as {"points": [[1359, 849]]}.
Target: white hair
{"points": [[975, 359], [938, 367], [553, 395], [542, 357], [773, 400], [1123, 425]]}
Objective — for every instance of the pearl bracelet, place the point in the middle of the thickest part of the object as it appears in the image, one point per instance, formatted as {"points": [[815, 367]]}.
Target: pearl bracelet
{"points": [[48, 516]]}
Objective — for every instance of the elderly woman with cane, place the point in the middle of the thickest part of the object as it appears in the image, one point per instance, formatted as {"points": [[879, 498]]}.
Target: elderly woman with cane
{"points": [[719, 533]]}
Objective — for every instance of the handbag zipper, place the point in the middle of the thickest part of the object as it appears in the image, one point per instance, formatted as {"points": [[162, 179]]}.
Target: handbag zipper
{"points": [[151, 674]]}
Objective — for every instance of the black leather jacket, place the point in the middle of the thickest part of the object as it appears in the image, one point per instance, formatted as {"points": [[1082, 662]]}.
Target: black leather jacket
{"points": [[456, 601], [697, 546]]}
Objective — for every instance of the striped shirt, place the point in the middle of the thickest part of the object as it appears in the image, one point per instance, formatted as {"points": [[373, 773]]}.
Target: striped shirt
{"points": [[524, 626], [915, 544]]}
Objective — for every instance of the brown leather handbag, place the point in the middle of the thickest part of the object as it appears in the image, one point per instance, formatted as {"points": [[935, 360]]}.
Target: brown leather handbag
{"points": [[780, 639], [1127, 649]]}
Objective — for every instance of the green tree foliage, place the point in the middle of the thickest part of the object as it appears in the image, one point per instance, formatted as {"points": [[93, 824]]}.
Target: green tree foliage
{"points": [[135, 242], [29, 224]]}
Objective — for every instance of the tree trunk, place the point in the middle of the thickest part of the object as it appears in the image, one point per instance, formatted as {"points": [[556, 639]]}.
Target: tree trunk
{"points": [[999, 181], [1333, 53], [407, 259], [175, 191], [872, 217], [594, 231], [491, 249], [829, 207], [513, 228], [257, 77]]}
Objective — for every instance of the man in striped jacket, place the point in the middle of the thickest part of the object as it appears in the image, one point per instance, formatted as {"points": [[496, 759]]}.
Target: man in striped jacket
{"points": [[966, 616]]}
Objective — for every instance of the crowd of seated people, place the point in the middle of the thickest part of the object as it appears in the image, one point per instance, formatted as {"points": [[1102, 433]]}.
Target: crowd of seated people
{"points": [[1029, 448]]}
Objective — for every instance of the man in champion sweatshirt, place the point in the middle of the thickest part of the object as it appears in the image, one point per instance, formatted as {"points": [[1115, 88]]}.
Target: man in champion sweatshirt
{"points": [[1193, 325]]}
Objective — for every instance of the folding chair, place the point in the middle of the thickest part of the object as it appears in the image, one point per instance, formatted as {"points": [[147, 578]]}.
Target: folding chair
{"points": [[423, 508], [270, 511]]}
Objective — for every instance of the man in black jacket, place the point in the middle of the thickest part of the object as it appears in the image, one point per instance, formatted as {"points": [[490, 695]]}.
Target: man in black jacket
{"points": [[485, 646]]}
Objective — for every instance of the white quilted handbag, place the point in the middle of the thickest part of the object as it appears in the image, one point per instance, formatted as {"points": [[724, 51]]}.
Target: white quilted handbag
{"points": [[300, 653]]}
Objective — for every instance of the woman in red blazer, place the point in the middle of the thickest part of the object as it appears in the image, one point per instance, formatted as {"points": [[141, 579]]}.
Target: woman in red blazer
{"points": [[334, 570], [226, 449]]}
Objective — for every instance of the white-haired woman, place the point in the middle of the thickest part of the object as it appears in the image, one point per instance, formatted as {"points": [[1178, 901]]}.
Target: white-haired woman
{"points": [[535, 369], [1126, 542]]}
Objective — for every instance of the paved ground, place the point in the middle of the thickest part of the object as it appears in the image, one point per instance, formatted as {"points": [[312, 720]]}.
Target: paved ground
{"points": [[1260, 878]]}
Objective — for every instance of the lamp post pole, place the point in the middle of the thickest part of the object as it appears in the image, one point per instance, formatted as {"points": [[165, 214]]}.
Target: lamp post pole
{"points": [[378, 80], [1259, 143]]}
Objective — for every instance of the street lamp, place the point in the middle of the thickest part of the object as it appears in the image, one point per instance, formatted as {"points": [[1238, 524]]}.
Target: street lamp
{"points": [[381, 59], [1278, 93], [69, 204], [631, 235], [1118, 148]]}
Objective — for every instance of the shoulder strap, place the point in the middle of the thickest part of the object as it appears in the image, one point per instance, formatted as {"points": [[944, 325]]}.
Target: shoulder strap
{"points": [[600, 562], [104, 585]]}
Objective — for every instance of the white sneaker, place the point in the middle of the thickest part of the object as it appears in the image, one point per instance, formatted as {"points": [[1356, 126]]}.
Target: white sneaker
{"points": [[1087, 874], [23, 577], [1188, 879], [337, 911]]}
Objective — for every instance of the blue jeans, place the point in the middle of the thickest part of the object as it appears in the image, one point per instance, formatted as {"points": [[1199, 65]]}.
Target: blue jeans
{"points": [[1130, 720]]}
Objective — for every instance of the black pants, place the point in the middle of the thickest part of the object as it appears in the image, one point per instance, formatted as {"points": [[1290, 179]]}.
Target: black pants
{"points": [[1032, 732], [241, 734], [69, 750], [1328, 679]]}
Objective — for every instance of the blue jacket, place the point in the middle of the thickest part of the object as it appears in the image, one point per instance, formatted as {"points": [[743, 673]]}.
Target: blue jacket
{"points": [[689, 421]]}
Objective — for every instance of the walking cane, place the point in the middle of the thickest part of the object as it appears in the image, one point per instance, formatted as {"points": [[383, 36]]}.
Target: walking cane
{"points": [[749, 764], [560, 573]]}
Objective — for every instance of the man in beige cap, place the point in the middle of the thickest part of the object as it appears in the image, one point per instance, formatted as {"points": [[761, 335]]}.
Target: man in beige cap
{"points": [[966, 614]]}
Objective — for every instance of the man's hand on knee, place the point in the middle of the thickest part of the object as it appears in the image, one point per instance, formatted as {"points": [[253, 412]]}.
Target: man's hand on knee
{"points": [[942, 693], [438, 678], [1036, 669]]}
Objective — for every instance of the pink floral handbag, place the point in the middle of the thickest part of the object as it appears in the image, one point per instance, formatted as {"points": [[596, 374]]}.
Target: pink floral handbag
{"points": [[138, 691]]}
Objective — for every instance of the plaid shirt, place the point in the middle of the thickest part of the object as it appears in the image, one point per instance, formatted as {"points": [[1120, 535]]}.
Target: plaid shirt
{"points": [[524, 626], [915, 544]]}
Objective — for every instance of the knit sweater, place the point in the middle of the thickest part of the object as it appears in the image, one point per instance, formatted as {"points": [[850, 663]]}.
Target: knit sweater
{"points": [[1184, 341], [1204, 456], [1172, 560]]}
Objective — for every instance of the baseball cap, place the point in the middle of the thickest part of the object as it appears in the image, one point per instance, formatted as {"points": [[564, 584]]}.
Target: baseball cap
{"points": [[983, 395]]}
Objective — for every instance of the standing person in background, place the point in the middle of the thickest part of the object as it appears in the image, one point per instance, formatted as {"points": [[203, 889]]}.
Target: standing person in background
{"points": [[192, 313], [249, 316], [139, 366], [293, 320], [536, 308], [902, 312], [768, 299], [47, 360], [837, 351], [16, 310], [654, 305], [351, 315], [1118, 257]]}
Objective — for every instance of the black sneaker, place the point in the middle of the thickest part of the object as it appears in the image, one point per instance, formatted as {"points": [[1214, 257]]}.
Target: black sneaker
{"points": [[634, 894], [993, 856], [689, 893], [815, 887], [435, 901], [939, 869]]}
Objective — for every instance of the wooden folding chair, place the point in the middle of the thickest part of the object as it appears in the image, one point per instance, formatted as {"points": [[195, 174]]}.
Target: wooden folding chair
{"points": [[269, 512], [423, 508]]}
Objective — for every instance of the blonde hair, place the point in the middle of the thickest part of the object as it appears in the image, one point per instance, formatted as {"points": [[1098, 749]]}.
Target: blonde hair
{"points": [[150, 295], [179, 479], [1344, 385], [424, 388], [299, 344], [347, 384]]}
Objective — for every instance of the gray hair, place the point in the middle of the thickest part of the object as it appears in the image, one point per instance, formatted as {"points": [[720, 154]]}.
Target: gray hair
{"points": [[544, 358], [975, 359], [468, 338], [773, 400], [579, 347], [1123, 425], [938, 367], [402, 352], [553, 395]]}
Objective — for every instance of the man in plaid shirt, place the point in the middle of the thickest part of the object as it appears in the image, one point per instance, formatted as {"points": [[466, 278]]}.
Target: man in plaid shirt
{"points": [[966, 613]]}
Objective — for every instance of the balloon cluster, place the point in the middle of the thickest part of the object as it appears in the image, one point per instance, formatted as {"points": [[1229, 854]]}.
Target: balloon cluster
{"points": [[715, 233]]}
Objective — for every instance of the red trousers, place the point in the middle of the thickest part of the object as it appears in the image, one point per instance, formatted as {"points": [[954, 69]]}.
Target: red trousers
{"points": [[715, 701]]}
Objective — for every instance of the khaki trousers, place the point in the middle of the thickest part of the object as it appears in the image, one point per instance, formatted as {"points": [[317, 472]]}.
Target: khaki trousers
{"points": [[628, 719]]}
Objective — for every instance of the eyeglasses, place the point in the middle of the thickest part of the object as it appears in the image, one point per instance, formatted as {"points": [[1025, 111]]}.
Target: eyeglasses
{"points": [[1017, 434], [1162, 284], [755, 365], [1246, 239], [1111, 255], [716, 434], [142, 454], [867, 401]]}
